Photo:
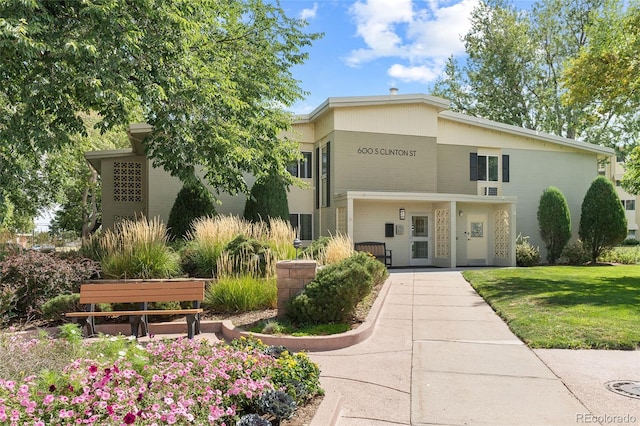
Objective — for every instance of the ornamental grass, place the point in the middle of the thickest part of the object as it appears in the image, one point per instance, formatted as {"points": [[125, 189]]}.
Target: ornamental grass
{"points": [[138, 249], [117, 381]]}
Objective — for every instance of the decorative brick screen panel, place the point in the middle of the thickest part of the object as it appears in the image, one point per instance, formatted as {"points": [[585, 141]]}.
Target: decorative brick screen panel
{"points": [[443, 242], [503, 242], [127, 181]]}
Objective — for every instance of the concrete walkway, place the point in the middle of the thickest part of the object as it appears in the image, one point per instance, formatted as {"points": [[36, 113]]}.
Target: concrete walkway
{"points": [[439, 355]]}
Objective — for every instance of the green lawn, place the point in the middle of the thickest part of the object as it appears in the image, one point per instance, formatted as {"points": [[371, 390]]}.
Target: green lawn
{"points": [[566, 307]]}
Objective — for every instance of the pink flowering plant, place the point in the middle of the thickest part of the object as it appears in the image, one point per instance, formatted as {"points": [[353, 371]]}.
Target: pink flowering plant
{"points": [[116, 381]]}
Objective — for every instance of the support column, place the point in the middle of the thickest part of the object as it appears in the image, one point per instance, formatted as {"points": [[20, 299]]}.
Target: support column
{"points": [[293, 277]]}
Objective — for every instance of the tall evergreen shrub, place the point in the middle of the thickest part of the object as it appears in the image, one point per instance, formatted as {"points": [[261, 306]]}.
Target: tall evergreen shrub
{"points": [[603, 223], [268, 199], [192, 202], [554, 220]]}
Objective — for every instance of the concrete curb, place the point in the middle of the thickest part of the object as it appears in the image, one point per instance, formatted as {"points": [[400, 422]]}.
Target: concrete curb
{"points": [[329, 410], [317, 343]]}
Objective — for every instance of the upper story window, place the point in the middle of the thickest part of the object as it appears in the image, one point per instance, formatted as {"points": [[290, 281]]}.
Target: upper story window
{"points": [[323, 176], [629, 204], [487, 167], [301, 168]]}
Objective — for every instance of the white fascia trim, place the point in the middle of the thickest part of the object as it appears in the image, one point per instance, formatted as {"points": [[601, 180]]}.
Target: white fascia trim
{"points": [[423, 196], [95, 157], [351, 101], [521, 131]]}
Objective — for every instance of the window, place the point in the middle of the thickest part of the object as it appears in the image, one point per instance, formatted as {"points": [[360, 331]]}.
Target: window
{"points": [[628, 204], [303, 224], [632, 233], [323, 171], [301, 168], [486, 167]]}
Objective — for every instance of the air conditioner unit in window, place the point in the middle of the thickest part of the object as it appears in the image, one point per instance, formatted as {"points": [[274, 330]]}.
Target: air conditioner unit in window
{"points": [[490, 190]]}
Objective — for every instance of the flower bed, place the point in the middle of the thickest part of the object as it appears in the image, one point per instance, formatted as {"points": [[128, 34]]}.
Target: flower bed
{"points": [[117, 381]]}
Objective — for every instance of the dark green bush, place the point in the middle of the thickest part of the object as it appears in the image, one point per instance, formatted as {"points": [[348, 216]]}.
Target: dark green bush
{"points": [[247, 255], [603, 222], [336, 291], [575, 254], [316, 248], [554, 220], [526, 253], [268, 199], [192, 202], [630, 242], [54, 309], [31, 278]]}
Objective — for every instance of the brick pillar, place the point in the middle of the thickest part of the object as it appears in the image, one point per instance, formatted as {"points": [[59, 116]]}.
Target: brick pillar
{"points": [[293, 276]]}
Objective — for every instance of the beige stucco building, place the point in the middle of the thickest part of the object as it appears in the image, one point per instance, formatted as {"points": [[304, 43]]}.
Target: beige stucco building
{"points": [[439, 188]]}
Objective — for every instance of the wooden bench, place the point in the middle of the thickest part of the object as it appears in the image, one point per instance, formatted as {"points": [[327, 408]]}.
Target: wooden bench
{"points": [[378, 250], [142, 292]]}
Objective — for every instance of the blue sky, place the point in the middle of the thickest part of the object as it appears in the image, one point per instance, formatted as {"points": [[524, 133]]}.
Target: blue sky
{"points": [[370, 46]]}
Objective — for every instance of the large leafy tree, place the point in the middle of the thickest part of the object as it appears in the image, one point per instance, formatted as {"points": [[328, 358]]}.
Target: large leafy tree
{"points": [[79, 208], [605, 77], [212, 78], [515, 64], [554, 221], [603, 223]]}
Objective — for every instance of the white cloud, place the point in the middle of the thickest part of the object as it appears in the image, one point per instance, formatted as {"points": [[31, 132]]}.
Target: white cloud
{"points": [[307, 14], [420, 74], [418, 33]]}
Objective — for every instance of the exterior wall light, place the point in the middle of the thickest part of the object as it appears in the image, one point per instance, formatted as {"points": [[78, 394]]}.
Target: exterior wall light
{"points": [[460, 213], [296, 244], [402, 214]]}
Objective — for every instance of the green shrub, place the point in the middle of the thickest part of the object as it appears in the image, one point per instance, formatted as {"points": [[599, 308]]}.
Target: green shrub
{"points": [[526, 253], [575, 254], [336, 291], [192, 202], [603, 222], [247, 255], [630, 242], [316, 249], [554, 220], [268, 199], [623, 255], [246, 293], [54, 309]]}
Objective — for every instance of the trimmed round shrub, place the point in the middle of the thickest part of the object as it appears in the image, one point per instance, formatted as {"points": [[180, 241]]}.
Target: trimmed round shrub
{"points": [[54, 309], [630, 242], [336, 291], [575, 254]]}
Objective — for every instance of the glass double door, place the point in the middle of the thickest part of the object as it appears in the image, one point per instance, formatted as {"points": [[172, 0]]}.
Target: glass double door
{"points": [[419, 241]]}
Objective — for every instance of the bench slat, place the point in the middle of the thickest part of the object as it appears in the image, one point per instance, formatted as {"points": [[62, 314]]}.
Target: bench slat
{"points": [[141, 292], [140, 312]]}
